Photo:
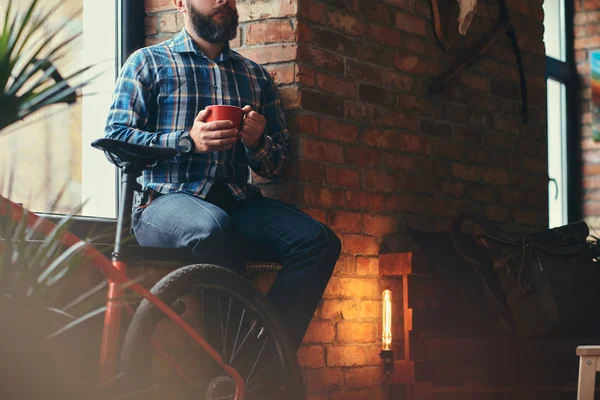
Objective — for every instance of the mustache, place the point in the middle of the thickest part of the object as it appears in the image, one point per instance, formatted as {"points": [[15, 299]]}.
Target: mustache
{"points": [[223, 9]]}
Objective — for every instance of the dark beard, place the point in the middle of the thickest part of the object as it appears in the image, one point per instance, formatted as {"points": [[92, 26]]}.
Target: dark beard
{"points": [[211, 31]]}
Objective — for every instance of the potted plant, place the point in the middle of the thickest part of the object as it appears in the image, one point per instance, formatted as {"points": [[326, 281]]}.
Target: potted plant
{"points": [[33, 269]]}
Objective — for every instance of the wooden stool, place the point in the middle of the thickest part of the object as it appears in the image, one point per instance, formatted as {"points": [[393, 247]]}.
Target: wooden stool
{"points": [[262, 274], [589, 364]]}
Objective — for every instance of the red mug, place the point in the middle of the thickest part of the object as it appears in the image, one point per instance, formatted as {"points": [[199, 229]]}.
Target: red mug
{"points": [[225, 113]]}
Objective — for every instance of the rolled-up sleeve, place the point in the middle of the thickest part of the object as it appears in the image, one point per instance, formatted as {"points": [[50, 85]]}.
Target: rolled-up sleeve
{"points": [[271, 158]]}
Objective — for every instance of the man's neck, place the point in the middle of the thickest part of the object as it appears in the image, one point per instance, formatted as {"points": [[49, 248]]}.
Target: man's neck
{"points": [[210, 50]]}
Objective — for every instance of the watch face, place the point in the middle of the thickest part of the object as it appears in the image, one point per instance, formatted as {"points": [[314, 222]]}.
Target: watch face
{"points": [[185, 145]]}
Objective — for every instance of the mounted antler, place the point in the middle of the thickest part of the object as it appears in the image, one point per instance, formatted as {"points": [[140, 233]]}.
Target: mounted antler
{"points": [[503, 25], [447, 13], [466, 15]]}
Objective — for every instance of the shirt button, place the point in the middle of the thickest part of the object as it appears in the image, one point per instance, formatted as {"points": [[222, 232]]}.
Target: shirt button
{"points": [[216, 87]]}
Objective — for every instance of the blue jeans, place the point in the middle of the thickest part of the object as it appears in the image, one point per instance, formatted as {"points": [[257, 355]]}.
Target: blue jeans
{"points": [[254, 227]]}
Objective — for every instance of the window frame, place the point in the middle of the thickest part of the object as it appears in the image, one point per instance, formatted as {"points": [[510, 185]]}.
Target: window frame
{"points": [[129, 37], [565, 73]]}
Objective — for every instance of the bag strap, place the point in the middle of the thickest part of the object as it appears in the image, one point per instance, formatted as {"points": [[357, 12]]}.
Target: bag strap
{"points": [[574, 248], [501, 310], [565, 240]]}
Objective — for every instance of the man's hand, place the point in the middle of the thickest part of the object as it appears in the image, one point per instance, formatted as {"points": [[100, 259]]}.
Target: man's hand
{"points": [[212, 136], [252, 128]]}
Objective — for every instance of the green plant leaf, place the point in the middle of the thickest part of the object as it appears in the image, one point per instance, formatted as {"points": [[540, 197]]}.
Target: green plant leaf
{"points": [[34, 64], [59, 311], [5, 61], [60, 92], [45, 48], [34, 27], [39, 22], [61, 260], [84, 296], [38, 66], [78, 321], [29, 79], [6, 29], [51, 244], [24, 23]]}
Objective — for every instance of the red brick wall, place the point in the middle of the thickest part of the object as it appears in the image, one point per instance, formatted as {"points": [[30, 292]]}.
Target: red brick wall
{"points": [[377, 154], [587, 38]]}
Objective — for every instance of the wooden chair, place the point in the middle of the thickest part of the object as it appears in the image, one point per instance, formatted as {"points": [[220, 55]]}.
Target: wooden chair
{"points": [[589, 364]]}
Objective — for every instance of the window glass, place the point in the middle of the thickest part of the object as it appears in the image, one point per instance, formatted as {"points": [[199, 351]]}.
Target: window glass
{"points": [[557, 154], [554, 29], [48, 156]]}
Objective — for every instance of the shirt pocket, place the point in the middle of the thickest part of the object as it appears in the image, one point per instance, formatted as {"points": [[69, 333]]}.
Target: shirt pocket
{"points": [[173, 96]]}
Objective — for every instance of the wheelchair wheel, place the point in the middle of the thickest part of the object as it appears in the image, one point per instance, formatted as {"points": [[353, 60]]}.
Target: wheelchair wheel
{"points": [[235, 319]]}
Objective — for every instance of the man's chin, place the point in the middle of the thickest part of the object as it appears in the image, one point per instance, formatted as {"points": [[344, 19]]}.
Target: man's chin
{"points": [[222, 39]]}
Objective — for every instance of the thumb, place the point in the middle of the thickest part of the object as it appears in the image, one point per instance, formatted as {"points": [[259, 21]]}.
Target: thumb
{"points": [[202, 115], [247, 109]]}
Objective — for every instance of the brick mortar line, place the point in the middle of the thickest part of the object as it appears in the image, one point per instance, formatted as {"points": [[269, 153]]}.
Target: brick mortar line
{"points": [[328, 28], [268, 19], [511, 172], [426, 117], [470, 70], [274, 44], [358, 14], [392, 213]]}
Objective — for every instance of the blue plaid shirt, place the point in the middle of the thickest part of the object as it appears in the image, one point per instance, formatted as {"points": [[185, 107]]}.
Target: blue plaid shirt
{"points": [[159, 92]]}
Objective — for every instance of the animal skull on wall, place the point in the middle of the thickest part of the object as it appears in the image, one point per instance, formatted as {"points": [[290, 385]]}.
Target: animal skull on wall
{"points": [[466, 15]]}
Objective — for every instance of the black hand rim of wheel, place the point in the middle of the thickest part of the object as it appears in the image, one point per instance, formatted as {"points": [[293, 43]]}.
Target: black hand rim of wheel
{"points": [[137, 347]]}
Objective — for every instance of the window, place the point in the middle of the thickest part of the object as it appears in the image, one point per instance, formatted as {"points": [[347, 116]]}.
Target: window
{"points": [[557, 155], [50, 153], [98, 183], [559, 75], [554, 29]]}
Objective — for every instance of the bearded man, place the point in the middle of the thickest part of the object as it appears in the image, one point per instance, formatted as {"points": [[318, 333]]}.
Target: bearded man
{"points": [[203, 199]]}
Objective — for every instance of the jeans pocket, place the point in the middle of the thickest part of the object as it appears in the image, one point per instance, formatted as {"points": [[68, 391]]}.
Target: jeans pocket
{"points": [[135, 219]]}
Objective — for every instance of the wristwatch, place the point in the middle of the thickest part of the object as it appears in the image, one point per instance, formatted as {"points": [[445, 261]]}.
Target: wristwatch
{"points": [[186, 144]]}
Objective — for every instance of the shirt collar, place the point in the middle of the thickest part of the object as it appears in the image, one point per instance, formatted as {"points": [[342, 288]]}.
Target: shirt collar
{"points": [[183, 43]]}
